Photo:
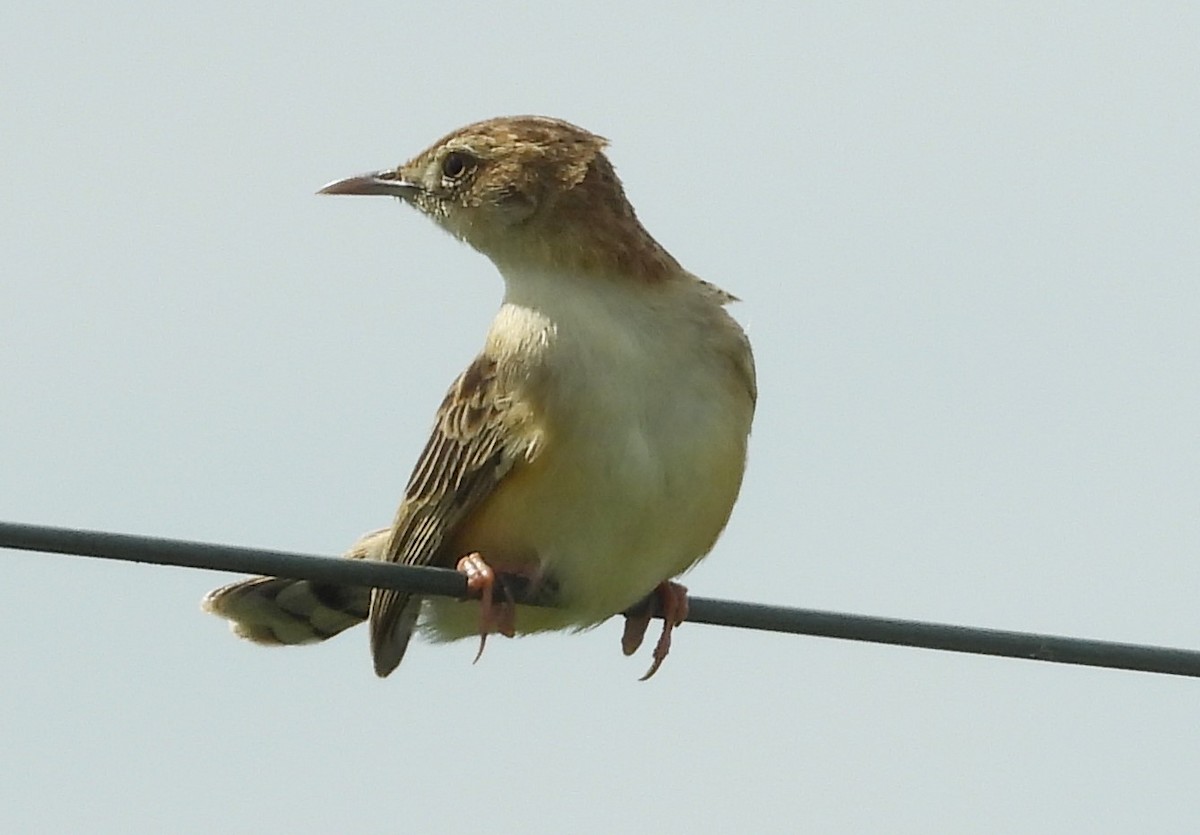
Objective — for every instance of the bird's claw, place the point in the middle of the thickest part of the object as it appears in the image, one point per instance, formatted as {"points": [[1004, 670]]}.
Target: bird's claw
{"points": [[481, 581], [673, 600]]}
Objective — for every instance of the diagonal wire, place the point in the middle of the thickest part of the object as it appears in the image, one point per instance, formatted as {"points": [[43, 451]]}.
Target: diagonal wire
{"points": [[441, 581]]}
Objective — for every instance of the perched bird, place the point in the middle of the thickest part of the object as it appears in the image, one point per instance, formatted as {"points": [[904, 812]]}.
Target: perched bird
{"points": [[597, 443]]}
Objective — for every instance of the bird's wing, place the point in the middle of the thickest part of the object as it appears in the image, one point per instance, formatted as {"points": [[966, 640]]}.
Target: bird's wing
{"points": [[480, 434]]}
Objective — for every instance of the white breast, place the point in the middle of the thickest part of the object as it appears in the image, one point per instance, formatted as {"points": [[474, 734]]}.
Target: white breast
{"points": [[644, 401]]}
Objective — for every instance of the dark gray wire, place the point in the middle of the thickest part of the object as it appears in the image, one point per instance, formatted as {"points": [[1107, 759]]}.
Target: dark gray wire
{"points": [[441, 581]]}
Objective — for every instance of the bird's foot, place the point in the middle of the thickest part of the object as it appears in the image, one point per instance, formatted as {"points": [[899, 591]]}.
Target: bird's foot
{"points": [[673, 600], [493, 617]]}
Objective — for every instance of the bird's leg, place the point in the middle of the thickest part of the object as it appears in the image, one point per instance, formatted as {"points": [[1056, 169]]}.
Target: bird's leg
{"points": [[673, 599], [481, 580], [637, 621]]}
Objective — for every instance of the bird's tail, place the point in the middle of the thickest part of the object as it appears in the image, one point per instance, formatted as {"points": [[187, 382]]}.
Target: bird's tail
{"points": [[276, 611]]}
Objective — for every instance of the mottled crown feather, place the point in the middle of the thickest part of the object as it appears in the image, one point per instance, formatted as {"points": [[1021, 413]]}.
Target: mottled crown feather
{"points": [[533, 187], [534, 151]]}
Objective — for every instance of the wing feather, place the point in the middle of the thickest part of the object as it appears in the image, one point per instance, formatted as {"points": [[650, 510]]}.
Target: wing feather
{"points": [[478, 437]]}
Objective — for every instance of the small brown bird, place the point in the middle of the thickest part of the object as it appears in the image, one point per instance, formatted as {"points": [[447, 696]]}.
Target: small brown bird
{"points": [[595, 446]]}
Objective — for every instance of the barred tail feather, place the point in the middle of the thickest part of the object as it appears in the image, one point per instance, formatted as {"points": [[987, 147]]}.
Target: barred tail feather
{"points": [[281, 612]]}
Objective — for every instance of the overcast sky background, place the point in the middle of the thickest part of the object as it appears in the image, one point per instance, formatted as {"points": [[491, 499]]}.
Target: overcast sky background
{"points": [[967, 237]]}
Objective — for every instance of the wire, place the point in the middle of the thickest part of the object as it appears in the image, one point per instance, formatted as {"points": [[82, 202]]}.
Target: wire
{"points": [[441, 581]]}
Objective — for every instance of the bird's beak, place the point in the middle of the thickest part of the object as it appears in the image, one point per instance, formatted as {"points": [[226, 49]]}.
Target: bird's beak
{"points": [[389, 183]]}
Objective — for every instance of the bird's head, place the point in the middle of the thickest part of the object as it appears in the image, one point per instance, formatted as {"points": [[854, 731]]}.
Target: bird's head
{"points": [[522, 190]]}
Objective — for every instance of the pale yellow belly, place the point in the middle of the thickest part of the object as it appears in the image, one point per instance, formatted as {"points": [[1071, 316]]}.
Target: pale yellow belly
{"points": [[608, 516]]}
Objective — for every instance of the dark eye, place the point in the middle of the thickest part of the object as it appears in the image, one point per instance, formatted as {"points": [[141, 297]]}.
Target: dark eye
{"points": [[455, 164]]}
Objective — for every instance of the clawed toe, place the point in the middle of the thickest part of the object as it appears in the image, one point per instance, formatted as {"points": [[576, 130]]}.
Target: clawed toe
{"points": [[493, 617], [672, 598]]}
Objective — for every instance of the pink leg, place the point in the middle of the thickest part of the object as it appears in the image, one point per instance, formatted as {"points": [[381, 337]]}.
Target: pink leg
{"points": [[635, 631], [481, 580], [674, 601]]}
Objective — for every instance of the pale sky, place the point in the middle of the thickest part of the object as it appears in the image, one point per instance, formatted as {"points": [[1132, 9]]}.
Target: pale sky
{"points": [[966, 240]]}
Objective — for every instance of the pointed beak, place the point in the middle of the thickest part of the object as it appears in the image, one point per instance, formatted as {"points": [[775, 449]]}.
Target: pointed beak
{"points": [[388, 183]]}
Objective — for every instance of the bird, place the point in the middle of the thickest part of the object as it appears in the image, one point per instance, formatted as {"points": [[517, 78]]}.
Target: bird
{"points": [[595, 446]]}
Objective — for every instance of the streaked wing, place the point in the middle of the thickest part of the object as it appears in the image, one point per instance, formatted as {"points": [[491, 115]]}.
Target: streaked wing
{"points": [[480, 434]]}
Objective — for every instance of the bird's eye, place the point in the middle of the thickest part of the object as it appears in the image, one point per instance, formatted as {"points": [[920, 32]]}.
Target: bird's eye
{"points": [[455, 165]]}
